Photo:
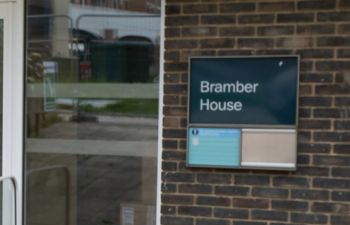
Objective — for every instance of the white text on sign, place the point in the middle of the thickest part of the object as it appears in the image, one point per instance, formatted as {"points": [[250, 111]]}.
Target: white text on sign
{"points": [[238, 87]]}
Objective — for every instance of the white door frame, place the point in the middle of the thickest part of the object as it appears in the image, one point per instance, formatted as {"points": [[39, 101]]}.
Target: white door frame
{"points": [[12, 11], [13, 99]]}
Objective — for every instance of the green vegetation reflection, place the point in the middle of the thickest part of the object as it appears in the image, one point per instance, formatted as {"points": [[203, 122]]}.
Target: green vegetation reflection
{"points": [[147, 107]]}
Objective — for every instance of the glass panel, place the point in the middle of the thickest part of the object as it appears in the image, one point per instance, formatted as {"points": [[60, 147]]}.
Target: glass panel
{"points": [[92, 111], [1, 78], [7, 202]]}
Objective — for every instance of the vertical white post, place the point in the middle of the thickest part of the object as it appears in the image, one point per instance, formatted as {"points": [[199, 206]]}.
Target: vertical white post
{"points": [[12, 11], [160, 112]]}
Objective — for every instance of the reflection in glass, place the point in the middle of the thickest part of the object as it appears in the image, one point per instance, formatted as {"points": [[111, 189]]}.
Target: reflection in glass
{"points": [[92, 112]]}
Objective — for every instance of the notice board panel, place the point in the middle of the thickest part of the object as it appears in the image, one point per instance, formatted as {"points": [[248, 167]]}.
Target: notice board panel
{"points": [[243, 112], [269, 148], [244, 91], [214, 147]]}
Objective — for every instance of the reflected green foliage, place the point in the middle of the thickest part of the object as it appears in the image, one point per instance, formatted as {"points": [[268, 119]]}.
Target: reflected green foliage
{"points": [[148, 107], [106, 221]]}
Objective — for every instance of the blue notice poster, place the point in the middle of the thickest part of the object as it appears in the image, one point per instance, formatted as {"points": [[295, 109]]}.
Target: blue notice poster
{"points": [[214, 147]]}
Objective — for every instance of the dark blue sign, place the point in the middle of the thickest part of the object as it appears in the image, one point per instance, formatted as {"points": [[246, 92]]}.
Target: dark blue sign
{"points": [[244, 91]]}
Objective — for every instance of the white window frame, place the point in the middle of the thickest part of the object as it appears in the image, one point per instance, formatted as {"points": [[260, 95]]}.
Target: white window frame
{"points": [[160, 113], [12, 149]]}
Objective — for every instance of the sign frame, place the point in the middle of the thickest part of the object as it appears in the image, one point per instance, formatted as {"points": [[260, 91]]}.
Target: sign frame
{"points": [[262, 127]]}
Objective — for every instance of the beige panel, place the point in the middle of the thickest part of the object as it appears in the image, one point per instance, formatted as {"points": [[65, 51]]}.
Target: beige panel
{"points": [[269, 148]]}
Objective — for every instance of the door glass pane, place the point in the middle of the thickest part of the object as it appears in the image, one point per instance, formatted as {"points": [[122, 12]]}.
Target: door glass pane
{"points": [[92, 111], [1, 78]]}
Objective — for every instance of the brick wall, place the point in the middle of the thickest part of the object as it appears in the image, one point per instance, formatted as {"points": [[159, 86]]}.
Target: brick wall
{"points": [[319, 191]]}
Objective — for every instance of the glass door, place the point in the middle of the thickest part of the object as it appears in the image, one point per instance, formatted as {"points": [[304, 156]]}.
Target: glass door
{"points": [[11, 111], [92, 112]]}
